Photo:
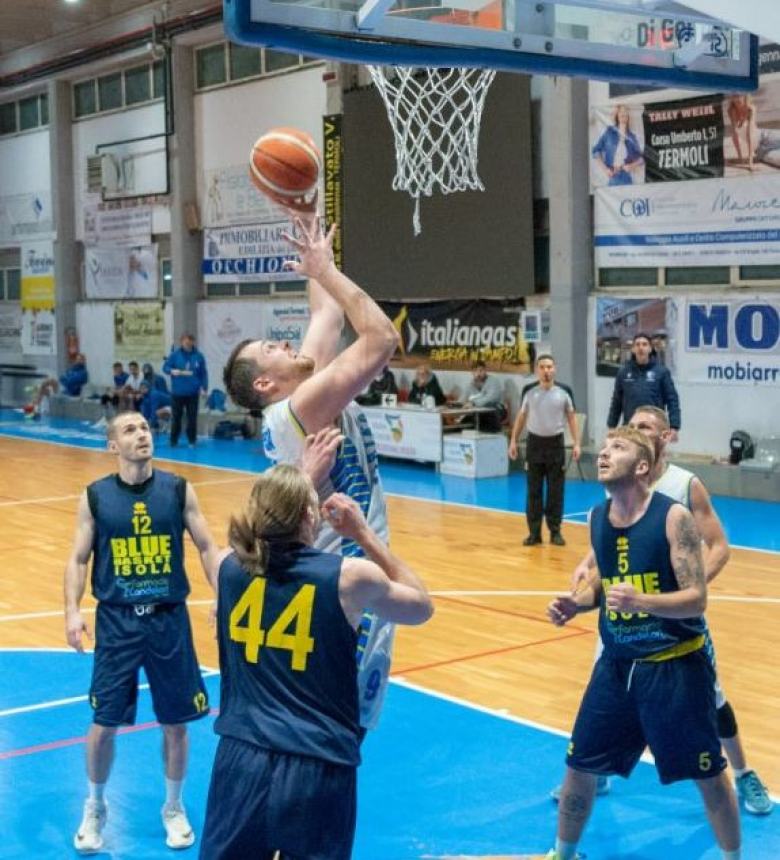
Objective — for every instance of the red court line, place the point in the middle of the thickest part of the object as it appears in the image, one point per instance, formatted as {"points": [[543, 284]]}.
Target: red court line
{"points": [[495, 651], [510, 612], [70, 742]]}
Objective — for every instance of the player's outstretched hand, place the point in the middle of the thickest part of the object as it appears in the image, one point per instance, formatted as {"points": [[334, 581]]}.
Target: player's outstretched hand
{"points": [[314, 248], [320, 453], [561, 610], [344, 516], [75, 627]]}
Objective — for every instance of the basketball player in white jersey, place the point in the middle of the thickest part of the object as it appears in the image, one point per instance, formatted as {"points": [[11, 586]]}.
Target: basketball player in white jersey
{"points": [[300, 393], [685, 487]]}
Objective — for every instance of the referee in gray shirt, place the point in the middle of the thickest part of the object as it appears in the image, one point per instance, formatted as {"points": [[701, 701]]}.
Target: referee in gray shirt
{"points": [[546, 407]]}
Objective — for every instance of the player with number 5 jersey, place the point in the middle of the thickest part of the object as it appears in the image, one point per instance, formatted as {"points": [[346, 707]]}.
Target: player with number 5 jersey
{"points": [[284, 776]]}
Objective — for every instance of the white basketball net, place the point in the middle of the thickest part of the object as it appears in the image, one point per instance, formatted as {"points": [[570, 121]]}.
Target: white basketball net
{"points": [[435, 115]]}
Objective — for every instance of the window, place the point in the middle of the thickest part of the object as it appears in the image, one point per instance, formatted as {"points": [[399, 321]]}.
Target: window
{"points": [[110, 92], [158, 84], [275, 61], [210, 66], [28, 113], [167, 278], [759, 273], [8, 118], [628, 277], [220, 290], [226, 62], [13, 285], [44, 109], [290, 287], [137, 85], [244, 62], [708, 275], [84, 98], [254, 289]]}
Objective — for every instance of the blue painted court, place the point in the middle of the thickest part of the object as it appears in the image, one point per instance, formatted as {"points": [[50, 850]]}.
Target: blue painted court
{"points": [[441, 778]]}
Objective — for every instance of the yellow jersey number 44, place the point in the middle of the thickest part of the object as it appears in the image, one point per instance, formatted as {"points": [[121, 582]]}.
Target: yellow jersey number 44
{"points": [[290, 631]]}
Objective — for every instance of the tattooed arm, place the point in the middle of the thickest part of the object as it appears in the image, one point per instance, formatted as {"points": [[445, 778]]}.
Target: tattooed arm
{"points": [[685, 550]]}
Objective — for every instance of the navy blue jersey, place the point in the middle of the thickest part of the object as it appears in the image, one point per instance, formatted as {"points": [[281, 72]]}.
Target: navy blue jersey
{"points": [[287, 656], [138, 551], [640, 555]]}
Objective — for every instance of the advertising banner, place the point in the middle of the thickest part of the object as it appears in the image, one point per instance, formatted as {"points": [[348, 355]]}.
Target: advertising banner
{"points": [[453, 333], [251, 252], [708, 137], [25, 216], [139, 331], [10, 328], [285, 320], [618, 320], [333, 174], [410, 433], [231, 198], [121, 273], [38, 332], [37, 276], [732, 342], [118, 227], [726, 222]]}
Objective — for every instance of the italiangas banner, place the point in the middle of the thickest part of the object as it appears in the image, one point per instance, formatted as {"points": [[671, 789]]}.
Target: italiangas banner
{"points": [[453, 333], [725, 222]]}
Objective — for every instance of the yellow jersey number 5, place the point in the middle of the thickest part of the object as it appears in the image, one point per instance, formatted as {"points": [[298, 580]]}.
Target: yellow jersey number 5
{"points": [[296, 615]]}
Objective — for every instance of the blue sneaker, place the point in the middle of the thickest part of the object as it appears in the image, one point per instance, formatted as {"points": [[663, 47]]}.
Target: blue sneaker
{"points": [[603, 786], [753, 795]]}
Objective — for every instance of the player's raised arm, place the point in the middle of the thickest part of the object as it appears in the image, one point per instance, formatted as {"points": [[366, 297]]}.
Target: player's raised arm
{"points": [[385, 583], [319, 399], [196, 525]]}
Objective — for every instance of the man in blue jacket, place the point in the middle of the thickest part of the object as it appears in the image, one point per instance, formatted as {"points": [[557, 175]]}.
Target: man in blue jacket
{"points": [[189, 377], [643, 381]]}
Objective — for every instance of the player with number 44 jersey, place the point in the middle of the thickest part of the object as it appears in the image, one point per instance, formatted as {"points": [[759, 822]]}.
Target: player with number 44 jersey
{"points": [[284, 777]]}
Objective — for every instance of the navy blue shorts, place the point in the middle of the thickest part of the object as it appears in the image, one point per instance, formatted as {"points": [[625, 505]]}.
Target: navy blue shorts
{"points": [[261, 802], [160, 641], [667, 706]]}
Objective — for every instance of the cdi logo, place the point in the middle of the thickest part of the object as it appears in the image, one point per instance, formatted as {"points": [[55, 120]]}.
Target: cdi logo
{"points": [[635, 207]]}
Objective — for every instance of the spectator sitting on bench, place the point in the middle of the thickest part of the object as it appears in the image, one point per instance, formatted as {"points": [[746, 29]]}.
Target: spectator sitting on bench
{"points": [[111, 396], [71, 382], [131, 395], [154, 380], [484, 391], [154, 405], [426, 385], [384, 383]]}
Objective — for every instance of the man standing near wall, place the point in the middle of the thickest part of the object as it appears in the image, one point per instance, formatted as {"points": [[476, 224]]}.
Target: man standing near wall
{"points": [[643, 381], [189, 378], [546, 407]]}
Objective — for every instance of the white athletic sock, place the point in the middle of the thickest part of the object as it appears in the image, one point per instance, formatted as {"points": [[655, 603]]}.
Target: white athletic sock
{"points": [[96, 790], [567, 850], [173, 791], [733, 855], [740, 771]]}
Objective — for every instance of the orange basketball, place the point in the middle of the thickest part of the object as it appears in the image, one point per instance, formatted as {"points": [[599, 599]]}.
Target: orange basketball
{"points": [[285, 165]]}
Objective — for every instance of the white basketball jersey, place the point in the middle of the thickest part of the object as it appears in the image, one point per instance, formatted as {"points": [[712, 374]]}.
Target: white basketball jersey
{"points": [[355, 473], [676, 483]]}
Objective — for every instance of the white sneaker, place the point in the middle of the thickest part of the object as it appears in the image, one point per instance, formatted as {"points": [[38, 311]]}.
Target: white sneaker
{"points": [[89, 838], [177, 826]]}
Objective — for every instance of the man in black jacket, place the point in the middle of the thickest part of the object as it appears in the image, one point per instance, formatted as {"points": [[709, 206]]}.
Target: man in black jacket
{"points": [[643, 381]]}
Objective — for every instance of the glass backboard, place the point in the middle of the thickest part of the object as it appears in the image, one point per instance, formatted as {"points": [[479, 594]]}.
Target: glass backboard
{"points": [[650, 42]]}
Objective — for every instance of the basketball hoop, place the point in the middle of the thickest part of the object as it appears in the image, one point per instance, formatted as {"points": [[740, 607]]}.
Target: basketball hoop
{"points": [[435, 115]]}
